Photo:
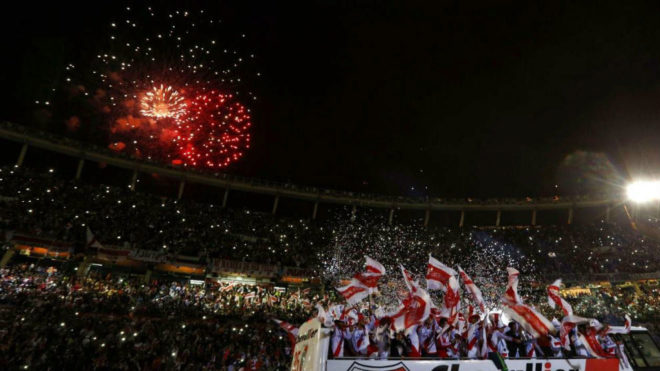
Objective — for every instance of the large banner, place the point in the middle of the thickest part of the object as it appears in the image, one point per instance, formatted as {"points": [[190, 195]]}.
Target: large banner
{"points": [[474, 365], [311, 350]]}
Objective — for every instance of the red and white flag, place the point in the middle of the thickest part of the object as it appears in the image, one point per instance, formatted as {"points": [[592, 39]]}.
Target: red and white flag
{"points": [[354, 292], [413, 285], [91, 239], [250, 296], [554, 299], [414, 311], [567, 324], [437, 275], [363, 284], [375, 267], [461, 327], [592, 344], [618, 330], [452, 300], [368, 280], [532, 321], [291, 331], [473, 289], [229, 287], [272, 299], [511, 294]]}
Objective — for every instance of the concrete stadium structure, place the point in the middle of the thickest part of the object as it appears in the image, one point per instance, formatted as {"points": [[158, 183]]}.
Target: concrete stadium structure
{"points": [[85, 152]]}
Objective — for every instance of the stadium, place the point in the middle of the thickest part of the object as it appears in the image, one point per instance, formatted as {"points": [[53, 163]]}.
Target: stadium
{"points": [[133, 238]]}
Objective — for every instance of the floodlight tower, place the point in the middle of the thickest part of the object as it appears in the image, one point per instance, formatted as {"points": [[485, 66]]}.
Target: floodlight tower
{"points": [[642, 193]]}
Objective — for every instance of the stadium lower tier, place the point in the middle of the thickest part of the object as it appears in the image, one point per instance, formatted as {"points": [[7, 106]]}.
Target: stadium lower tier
{"points": [[62, 320]]}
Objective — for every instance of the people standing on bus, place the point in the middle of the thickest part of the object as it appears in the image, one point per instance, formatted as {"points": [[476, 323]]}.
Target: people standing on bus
{"points": [[360, 340], [498, 340], [446, 344], [382, 337], [337, 340], [426, 333], [473, 336], [514, 346]]}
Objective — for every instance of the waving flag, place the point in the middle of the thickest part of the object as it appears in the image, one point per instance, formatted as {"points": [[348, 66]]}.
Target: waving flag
{"points": [[229, 287], [437, 275], [414, 311], [567, 324], [452, 301], [363, 284], [412, 285], [592, 344], [473, 289], [374, 267], [532, 321], [354, 292], [511, 294], [368, 280], [291, 331], [618, 330], [554, 299], [452, 297]]}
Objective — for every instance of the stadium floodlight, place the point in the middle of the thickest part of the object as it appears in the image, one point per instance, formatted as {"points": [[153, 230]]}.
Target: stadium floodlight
{"points": [[643, 191]]}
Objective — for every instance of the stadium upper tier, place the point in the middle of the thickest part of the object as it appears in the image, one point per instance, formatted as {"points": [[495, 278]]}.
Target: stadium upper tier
{"points": [[84, 151], [47, 206]]}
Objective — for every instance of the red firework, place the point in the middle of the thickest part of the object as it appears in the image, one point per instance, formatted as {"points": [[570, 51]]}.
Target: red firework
{"points": [[214, 131]]}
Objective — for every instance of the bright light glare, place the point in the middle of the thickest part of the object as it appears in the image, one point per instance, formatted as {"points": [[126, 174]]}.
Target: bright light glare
{"points": [[643, 191]]}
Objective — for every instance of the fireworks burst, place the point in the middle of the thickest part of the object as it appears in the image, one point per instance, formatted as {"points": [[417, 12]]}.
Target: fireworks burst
{"points": [[215, 131], [162, 102], [168, 87]]}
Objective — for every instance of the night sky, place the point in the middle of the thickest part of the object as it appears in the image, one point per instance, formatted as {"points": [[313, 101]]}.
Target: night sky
{"points": [[416, 98]]}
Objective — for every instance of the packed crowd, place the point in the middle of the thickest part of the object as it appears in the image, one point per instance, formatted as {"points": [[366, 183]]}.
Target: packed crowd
{"points": [[123, 322], [611, 303], [44, 204], [56, 321]]}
